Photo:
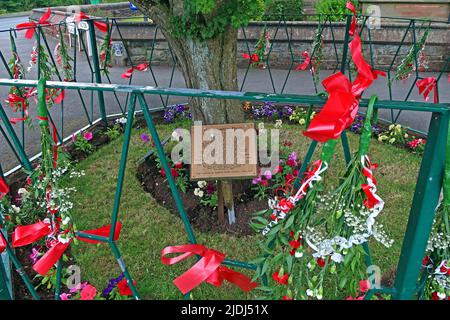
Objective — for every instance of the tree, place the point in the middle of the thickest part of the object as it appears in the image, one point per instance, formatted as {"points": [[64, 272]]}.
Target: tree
{"points": [[203, 36]]}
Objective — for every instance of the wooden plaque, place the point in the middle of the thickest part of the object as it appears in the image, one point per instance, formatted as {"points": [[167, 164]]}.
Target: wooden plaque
{"points": [[223, 151]]}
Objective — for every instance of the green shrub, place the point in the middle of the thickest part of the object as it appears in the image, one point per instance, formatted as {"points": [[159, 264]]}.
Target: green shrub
{"points": [[335, 9], [284, 9]]}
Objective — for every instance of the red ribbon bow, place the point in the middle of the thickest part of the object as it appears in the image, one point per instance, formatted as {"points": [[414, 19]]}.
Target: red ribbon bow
{"points": [[25, 235], [253, 58], [342, 105], [141, 67], [372, 199], [208, 268], [101, 26], [4, 188], [31, 26], [305, 64], [425, 87]]}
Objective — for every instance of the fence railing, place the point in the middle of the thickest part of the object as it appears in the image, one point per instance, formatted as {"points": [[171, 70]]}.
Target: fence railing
{"points": [[426, 193]]}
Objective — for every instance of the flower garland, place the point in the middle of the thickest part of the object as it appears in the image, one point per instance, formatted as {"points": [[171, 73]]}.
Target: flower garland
{"points": [[105, 51], [262, 49], [416, 55]]}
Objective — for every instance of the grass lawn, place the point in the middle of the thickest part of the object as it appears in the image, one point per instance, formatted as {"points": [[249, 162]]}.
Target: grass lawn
{"points": [[148, 227]]}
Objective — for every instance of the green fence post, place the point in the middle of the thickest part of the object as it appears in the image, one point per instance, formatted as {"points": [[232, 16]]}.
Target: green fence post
{"points": [[4, 291], [165, 165], [421, 216], [96, 66]]}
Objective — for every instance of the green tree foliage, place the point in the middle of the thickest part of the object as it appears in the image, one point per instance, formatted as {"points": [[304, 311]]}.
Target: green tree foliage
{"points": [[284, 9], [205, 19], [335, 9]]}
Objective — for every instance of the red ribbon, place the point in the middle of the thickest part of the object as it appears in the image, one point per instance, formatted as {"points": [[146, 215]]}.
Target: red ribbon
{"points": [[208, 268], [253, 58], [2, 242], [372, 200], [366, 74], [337, 113], [101, 26], [129, 72], [341, 108], [25, 235], [349, 5], [425, 87], [305, 64], [31, 26], [4, 188]]}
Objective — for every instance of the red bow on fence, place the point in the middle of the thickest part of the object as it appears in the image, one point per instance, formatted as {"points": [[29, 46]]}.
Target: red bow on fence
{"points": [[43, 21], [252, 58], [141, 67], [101, 26], [208, 268], [342, 105], [370, 187], [425, 87], [304, 64], [25, 235]]}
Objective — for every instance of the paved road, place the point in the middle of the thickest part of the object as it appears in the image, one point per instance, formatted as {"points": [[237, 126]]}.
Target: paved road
{"points": [[257, 81]]}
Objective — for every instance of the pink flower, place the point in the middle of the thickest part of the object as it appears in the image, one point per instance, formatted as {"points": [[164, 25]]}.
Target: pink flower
{"points": [[268, 174], [87, 136], [256, 180], [264, 183], [74, 137], [88, 292], [34, 255], [364, 286], [64, 296], [78, 287]]}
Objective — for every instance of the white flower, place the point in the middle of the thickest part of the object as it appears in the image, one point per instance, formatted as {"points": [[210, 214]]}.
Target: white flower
{"points": [[122, 120], [301, 121], [319, 297], [202, 184], [15, 209], [22, 192], [63, 240], [278, 123], [337, 257], [309, 293], [199, 192], [298, 254], [441, 295], [66, 220]]}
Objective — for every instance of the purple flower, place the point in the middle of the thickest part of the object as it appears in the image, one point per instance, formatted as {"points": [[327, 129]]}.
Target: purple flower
{"points": [[145, 138], [210, 189], [268, 174], [256, 180], [111, 285]]}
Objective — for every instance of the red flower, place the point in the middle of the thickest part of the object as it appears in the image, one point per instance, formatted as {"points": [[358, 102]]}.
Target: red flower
{"points": [[264, 183], [295, 243], [291, 163], [179, 165], [444, 269], [364, 286], [320, 262], [295, 173], [287, 143], [434, 296], [172, 170], [286, 298], [124, 288], [289, 178], [281, 280], [278, 169], [426, 261]]}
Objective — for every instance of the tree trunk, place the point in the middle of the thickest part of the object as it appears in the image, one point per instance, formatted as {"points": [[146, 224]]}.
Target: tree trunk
{"points": [[208, 65]]}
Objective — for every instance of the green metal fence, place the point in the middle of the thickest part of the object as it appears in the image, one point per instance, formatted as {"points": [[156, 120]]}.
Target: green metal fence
{"points": [[428, 184]]}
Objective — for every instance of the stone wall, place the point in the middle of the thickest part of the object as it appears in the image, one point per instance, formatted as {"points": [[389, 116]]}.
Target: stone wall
{"points": [[289, 40]]}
